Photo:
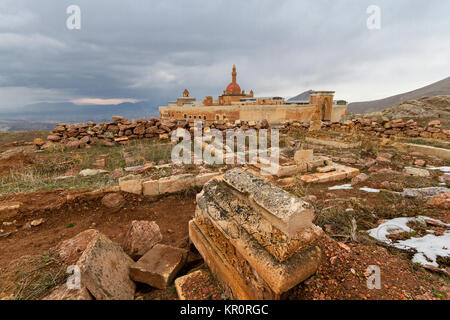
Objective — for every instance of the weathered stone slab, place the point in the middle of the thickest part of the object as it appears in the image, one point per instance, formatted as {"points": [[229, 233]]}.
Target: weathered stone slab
{"points": [[140, 238], [131, 184], [176, 183], [231, 211], [150, 188], [159, 266], [104, 270], [341, 172], [289, 214]]}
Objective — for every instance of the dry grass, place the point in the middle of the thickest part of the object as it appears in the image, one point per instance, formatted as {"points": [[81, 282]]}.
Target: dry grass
{"points": [[32, 278]]}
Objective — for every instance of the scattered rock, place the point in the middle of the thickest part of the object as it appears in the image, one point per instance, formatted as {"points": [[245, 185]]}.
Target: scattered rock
{"points": [[309, 198], [158, 266], [36, 222], [419, 163], [359, 178], [394, 186], [416, 172], [140, 238], [91, 172], [113, 201], [441, 201], [117, 173], [424, 192], [104, 270]]}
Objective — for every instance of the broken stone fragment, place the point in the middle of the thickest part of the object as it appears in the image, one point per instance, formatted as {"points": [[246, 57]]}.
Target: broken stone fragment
{"points": [[104, 270], [159, 266], [140, 238]]}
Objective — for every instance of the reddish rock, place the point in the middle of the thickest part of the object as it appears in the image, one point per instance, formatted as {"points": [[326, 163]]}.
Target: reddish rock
{"points": [[113, 201], [441, 201], [70, 250], [359, 178], [140, 238], [419, 163]]}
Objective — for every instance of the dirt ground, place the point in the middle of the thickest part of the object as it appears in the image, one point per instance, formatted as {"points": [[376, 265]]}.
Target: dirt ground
{"points": [[63, 220]]}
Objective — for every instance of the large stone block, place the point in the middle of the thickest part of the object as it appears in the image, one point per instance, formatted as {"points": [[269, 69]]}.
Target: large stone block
{"points": [[231, 212], [150, 188], [159, 266], [131, 184], [246, 270], [176, 183], [104, 270]]}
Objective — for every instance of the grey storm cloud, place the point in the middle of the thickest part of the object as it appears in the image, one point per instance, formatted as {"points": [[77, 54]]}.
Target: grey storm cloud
{"points": [[152, 50]]}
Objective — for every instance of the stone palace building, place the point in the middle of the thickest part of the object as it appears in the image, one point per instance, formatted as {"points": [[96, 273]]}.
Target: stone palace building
{"points": [[236, 104]]}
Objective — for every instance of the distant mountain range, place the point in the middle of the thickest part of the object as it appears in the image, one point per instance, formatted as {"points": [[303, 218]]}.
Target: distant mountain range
{"points": [[439, 88], [45, 115]]}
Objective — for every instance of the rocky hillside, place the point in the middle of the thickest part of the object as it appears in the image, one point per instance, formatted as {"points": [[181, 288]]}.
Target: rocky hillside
{"points": [[436, 89], [421, 110]]}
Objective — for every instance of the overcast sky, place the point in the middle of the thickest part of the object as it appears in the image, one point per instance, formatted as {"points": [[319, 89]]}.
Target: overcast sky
{"points": [[152, 50]]}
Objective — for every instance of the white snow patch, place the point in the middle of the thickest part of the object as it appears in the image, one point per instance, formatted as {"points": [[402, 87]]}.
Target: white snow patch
{"points": [[371, 190], [427, 248], [443, 169], [341, 187]]}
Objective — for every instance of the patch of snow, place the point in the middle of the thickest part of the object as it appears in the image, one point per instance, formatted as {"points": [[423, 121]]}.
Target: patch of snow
{"points": [[341, 187], [371, 190], [443, 169], [427, 248]]}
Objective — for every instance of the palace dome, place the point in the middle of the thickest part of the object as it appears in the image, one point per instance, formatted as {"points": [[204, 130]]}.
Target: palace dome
{"points": [[233, 88]]}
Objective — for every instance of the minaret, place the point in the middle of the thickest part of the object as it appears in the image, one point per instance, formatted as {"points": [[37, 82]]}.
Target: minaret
{"points": [[234, 74]]}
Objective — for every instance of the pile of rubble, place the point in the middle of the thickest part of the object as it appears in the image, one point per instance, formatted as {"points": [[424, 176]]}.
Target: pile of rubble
{"points": [[122, 130], [256, 238]]}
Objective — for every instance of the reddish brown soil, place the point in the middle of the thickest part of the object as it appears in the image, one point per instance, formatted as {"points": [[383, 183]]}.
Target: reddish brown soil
{"points": [[63, 220], [342, 276]]}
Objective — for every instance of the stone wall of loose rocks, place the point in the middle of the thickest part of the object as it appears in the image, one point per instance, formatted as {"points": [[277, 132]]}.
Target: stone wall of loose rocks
{"points": [[382, 128], [121, 130]]}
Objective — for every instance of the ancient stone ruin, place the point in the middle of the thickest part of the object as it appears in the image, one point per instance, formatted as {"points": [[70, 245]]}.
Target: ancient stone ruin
{"points": [[256, 238]]}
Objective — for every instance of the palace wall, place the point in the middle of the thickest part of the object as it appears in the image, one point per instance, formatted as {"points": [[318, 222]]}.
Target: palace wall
{"points": [[274, 114]]}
